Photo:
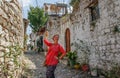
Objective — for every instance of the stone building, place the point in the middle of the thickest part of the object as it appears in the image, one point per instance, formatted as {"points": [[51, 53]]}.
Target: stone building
{"points": [[55, 12], [11, 39], [94, 25]]}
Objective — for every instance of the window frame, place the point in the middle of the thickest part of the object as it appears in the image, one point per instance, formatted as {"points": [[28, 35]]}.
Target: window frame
{"points": [[94, 8]]}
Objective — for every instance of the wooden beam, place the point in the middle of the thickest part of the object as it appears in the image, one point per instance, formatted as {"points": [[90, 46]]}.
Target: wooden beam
{"points": [[92, 3]]}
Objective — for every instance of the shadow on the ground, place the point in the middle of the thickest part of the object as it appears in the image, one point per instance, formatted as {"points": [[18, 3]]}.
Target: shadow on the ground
{"points": [[37, 60]]}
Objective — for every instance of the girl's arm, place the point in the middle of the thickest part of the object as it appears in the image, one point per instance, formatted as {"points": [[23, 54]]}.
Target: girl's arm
{"points": [[45, 39], [63, 52], [47, 42]]}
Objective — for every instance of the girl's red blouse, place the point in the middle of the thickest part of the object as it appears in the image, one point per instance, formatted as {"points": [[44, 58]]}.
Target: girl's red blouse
{"points": [[53, 51]]}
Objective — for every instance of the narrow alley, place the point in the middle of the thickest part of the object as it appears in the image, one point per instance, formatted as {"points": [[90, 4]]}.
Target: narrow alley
{"points": [[86, 32], [62, 71]]}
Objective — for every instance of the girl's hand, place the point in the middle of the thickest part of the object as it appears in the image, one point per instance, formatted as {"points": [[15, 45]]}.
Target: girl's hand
{"points": [[46, 34], [44, 63], [56, 57]]}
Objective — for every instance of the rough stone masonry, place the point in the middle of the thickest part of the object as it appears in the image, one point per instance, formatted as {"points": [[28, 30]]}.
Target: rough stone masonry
{"points": [[11, 38], [101, 35]]}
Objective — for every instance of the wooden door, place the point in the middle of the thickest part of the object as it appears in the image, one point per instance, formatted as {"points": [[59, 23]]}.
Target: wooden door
{"points": [[67, 39]]}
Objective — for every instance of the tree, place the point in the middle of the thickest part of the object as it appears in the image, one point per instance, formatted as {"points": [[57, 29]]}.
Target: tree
{"points": [[75, 4], [72, 2], [37, 18]]}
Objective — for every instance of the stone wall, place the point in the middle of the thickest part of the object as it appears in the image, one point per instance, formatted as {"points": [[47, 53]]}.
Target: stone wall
{"points": [[102, 41], [11, 38], [58, 26], [53, 27]]}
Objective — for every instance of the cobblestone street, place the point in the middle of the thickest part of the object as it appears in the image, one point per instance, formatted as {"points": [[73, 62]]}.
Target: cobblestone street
{"points": [[86, 32], [62, 70]]}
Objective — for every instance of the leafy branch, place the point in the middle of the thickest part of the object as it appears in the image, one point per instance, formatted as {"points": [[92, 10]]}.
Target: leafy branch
{"points": [[37, 18]]}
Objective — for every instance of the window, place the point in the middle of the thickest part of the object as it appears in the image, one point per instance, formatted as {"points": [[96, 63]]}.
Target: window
{"points": [[94, 12]]}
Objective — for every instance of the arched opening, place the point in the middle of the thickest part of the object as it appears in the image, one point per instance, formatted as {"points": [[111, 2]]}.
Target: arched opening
{"points": [[67, 39]]}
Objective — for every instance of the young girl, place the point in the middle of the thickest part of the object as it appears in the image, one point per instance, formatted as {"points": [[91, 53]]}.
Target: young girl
{"points": [[51, 59]]}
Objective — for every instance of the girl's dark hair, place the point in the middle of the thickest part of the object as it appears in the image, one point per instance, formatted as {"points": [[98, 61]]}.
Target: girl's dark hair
{"points": [[55, 35]]}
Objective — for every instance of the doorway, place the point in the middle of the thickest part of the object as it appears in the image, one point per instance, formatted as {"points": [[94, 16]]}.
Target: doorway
{"points": [[67, 39]]}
